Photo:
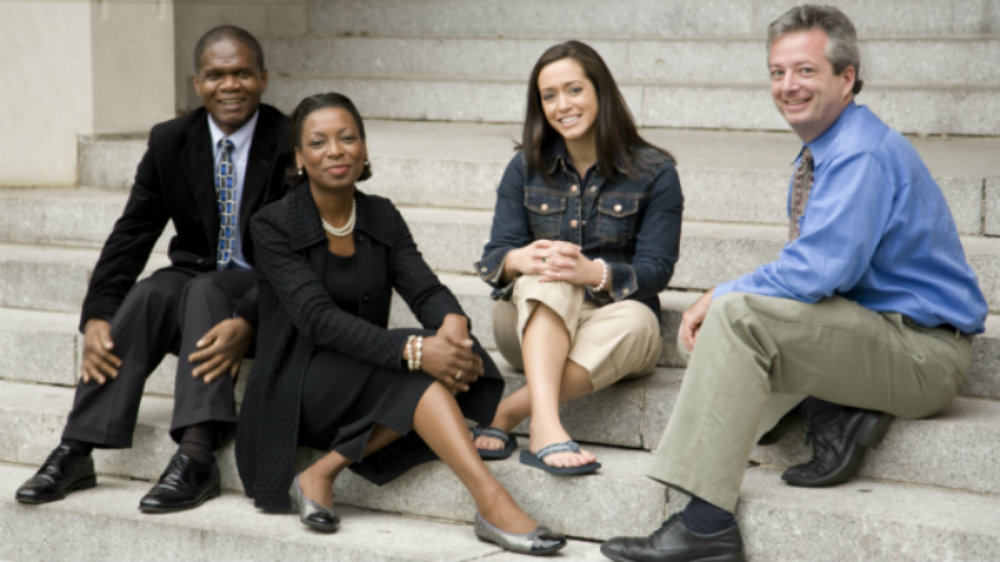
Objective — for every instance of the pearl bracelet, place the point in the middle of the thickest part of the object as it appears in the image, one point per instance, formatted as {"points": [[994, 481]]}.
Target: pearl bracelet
{"points": [[409, 353], [420, 345], [604, 275]]}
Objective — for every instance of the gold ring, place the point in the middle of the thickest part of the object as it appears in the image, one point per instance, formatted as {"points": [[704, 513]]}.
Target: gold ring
{"points": [[458, 376], [543, 259]]}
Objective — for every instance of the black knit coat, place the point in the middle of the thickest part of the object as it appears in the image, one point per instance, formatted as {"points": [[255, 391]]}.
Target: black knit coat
{"points": [[297, 315]]}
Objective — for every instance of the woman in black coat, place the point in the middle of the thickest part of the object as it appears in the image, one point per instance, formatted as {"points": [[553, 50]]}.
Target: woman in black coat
{"points": [[330, 375]]}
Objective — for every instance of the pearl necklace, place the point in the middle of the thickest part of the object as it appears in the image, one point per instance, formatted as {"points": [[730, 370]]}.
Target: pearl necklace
{"points": [[345, 230]]}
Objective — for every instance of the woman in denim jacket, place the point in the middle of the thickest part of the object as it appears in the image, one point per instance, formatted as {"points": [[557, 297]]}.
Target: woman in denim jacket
{"points": [[585, 235]]}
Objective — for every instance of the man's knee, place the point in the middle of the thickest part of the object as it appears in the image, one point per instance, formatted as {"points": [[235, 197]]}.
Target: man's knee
{"points": [[149, 298], [200, 288]]}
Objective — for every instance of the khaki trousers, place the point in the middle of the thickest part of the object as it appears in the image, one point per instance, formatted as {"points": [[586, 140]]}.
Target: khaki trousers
{"points": [[757, 357], [620, 340]]}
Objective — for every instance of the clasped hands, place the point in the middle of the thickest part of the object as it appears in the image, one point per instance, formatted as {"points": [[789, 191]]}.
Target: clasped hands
{"points": [[553, 260], [220, 350], [448, 355]]}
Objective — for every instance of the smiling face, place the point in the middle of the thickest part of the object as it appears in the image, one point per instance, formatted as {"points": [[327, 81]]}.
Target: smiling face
{"points": [[331, 149], [569, 100], [230, 83], [805, 90]]}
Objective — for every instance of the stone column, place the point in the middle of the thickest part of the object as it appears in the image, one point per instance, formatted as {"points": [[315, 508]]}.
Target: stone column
{"points": [[78, 67]]}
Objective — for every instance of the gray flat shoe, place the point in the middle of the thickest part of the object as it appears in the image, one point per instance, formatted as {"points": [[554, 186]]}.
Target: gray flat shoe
{"points": [[312, 514], [538, 542]]}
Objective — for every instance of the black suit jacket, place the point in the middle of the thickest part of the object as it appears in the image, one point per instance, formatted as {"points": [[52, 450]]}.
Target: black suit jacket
{"points": [[175, 182]]}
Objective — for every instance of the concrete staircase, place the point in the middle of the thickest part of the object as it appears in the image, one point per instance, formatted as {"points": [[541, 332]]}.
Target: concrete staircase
{"points": [[930, 492]]}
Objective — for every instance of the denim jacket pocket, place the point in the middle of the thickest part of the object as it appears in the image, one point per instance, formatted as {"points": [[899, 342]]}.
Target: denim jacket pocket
{"points": [[618, 216], [545, 212]]}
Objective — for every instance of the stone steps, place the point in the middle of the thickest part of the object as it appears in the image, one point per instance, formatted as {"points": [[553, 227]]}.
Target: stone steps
{"points": [[680, 64], [863, 521], [727, 176], [226, 528], [912, 108], [944, 60], [640, 19], [55, 278], [953, 450]]}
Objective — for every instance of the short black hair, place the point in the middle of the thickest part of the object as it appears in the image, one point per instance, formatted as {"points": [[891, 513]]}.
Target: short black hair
{"points": [[227, 31], [316, 102]]}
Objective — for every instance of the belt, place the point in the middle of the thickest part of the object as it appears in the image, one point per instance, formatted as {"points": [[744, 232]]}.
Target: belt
{"points": [[950, 328]]}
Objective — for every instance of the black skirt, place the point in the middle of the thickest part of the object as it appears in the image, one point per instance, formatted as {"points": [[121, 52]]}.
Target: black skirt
{"points": [[343, 399]]}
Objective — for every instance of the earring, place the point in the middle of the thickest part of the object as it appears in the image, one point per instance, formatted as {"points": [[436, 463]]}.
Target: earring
{"points": [[301, 171]]}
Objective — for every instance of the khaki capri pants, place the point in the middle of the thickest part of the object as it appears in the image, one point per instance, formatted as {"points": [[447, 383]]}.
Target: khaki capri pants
{"points": [[620, 340]]}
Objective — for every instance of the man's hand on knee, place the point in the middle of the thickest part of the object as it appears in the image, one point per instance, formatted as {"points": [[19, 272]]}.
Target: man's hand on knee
{"points": [[692, 319], [221, 349], [99, 363]]}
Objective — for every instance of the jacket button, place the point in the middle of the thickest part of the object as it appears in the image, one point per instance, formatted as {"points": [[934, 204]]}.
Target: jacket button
{"points": [[483, 269], [573, 188], [545, 206], [573, 223], [618, 208], [365, 298]]}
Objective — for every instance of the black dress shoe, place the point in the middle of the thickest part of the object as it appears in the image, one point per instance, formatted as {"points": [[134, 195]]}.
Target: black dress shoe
{"points": [[673, 542], [185, 483], [838, 448], [63, 472]]}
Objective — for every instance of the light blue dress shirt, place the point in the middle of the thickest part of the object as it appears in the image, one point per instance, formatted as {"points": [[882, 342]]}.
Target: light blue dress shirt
{"points": [[242, 139], [876, 230]]}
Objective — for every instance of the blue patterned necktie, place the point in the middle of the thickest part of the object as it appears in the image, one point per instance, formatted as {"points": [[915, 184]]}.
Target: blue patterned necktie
{"points": [[225, 188]]}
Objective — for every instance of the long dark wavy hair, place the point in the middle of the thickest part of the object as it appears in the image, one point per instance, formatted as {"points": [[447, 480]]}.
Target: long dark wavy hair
{"points": [[304, 109], [616, 135]]}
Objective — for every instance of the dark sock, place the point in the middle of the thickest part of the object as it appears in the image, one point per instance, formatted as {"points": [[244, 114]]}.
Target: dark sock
{"points": [[820, 412], [197, 443], [704, 518], [79, 447]]}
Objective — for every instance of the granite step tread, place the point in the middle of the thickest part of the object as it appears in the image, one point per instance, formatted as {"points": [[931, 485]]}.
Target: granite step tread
{"points": [[638, 18], [730, 176], [953, 450], [226, 528], [862, 520], [632, 60], [967, 110]]}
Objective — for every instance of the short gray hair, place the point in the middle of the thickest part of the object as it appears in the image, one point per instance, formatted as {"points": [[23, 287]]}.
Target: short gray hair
{"points": [[842, 40]]}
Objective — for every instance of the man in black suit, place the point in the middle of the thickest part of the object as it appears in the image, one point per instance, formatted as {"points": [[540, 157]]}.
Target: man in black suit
{"points": [[207, 172]]}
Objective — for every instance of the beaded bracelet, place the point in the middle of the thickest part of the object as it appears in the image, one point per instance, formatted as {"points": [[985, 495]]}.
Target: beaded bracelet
{"points": [[604, 275]]}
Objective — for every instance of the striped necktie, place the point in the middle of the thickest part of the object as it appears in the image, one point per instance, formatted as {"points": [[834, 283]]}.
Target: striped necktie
{"points": [[800, 193]]}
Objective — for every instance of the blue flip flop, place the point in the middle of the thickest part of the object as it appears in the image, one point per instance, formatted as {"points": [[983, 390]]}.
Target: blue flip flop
{"points": [[537, 460], [509, 442]]}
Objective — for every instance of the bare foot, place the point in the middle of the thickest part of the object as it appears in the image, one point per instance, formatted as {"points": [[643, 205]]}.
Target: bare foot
{"points": [[487, 443], [541, 438]]}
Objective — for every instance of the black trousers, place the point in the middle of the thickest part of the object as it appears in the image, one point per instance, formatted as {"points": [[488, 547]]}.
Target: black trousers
{"points": [[166, 312]]}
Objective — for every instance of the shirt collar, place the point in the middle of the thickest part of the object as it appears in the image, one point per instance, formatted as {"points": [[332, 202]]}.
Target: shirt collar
{"points": [[820, 146], [241, 137], [559, 154]]}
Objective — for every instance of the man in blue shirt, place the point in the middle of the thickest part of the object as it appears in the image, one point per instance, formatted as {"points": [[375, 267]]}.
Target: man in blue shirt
{"points": [[868, 310]]}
